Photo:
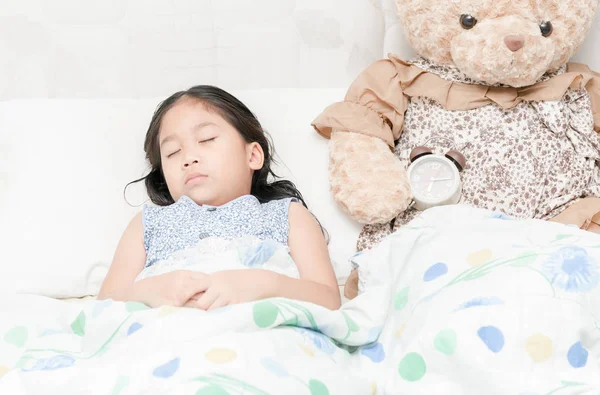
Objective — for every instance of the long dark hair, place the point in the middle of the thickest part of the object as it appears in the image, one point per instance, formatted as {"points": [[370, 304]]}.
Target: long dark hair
{"points": [[266, 185]]}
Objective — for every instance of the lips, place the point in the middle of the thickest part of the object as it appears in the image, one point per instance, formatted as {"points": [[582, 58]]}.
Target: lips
{"points": [[194, 177]]}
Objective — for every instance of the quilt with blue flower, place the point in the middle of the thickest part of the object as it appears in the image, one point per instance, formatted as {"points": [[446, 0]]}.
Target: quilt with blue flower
{"points": [[460, 301]]}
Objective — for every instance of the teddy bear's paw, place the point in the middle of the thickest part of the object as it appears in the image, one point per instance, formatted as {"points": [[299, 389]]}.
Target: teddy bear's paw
{"points": [[367, 179]]}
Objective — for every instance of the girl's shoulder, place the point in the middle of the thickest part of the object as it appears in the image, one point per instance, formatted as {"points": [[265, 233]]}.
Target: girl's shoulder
{"points": [[181, 205], [153, 214], [281, 206], [276, 218]]}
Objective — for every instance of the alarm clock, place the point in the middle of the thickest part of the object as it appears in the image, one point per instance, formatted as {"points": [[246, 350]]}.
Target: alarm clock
{"points": [[435, 179]]}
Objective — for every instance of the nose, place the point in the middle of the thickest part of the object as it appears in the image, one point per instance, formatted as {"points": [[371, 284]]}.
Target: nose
{"points": [[188, 162], [514, 43]]}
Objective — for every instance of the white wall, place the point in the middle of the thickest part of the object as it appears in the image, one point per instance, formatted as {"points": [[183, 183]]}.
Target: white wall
{"points": [[149, 48]]}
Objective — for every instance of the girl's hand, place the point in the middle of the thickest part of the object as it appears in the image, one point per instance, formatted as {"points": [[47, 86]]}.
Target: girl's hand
{"points": [[174, 288], [234, 286], [317, 283]]}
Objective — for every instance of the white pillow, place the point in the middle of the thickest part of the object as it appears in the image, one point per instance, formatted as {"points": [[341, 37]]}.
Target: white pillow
{"points": [[64, 164]]}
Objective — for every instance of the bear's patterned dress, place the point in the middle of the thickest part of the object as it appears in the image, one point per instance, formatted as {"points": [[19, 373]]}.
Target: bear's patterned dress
{"points": [[526, 157]]}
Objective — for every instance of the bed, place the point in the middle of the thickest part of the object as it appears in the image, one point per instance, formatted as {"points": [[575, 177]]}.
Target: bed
{"points": [[499, 307]]}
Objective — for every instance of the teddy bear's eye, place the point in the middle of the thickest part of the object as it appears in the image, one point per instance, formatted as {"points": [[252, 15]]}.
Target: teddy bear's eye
{"points": [[467, 21], [546, 29]]}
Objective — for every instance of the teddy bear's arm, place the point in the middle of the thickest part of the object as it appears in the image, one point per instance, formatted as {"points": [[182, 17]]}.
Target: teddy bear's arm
{"points": [[367, 179], [590, 81], [593, 88], [374, 105], [585, 213]]}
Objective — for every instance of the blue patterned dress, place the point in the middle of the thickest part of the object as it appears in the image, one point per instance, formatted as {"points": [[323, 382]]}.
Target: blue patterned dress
{"points": [[168, 229]]}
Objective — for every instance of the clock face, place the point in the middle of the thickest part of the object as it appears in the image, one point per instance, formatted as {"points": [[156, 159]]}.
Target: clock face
{"points": [[433, 178]]}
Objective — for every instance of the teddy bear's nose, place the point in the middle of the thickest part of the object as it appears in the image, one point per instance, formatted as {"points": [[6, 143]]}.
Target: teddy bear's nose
{"points": [[514, 43]]}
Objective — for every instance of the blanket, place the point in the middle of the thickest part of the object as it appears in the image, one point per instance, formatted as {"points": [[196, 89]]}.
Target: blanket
{"points": [[459, 301]]}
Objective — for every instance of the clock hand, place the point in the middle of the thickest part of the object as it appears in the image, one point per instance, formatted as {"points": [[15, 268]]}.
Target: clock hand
{"points": [[433, 180], [441, 179]]}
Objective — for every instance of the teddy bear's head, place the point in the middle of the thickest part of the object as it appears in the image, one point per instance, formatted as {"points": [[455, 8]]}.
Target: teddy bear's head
{"points": [[511, 42]]}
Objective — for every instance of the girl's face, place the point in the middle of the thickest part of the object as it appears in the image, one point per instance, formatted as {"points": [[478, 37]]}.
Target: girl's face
{"points": [[203, 156]]}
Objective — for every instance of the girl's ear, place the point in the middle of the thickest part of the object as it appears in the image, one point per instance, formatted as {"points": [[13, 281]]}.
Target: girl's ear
{"points": [[256, 156]]}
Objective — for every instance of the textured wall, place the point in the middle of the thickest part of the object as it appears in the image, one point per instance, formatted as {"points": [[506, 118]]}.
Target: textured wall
{"points": [[150, 48], [141, 48]]}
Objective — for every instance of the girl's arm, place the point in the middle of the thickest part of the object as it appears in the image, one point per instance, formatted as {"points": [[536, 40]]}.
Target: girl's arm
{"points": [[128, 262], [173, 288], [308, 248], [317, 283]]}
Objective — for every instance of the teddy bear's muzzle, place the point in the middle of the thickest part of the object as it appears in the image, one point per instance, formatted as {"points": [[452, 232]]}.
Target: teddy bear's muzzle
{"points": [[509, 50], [514, 42]]}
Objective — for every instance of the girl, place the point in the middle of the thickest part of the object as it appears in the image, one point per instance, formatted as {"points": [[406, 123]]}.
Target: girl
{"points": [[209, 159]]}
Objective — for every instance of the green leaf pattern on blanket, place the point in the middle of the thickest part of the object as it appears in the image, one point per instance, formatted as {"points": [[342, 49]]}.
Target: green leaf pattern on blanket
{"points": [[120, 385], [569, 384], [569, 267], [445, 341], [78, 326], [265, 314], [524, 259], [352, 326], [562, 237], [217, 384], [317, 388], [212, 390], [412, 367], [401, 298], [17, 336], [135, 306]]}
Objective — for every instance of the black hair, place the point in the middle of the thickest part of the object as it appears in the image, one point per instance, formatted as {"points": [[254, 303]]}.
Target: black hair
{"points": [[266, 185]]}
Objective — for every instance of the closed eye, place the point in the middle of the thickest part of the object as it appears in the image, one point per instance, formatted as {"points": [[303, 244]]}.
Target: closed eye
{"points": [[173, 153], [207, 140]]}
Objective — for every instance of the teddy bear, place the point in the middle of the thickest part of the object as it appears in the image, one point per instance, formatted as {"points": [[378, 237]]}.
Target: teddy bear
{"points": [[492, 81]]}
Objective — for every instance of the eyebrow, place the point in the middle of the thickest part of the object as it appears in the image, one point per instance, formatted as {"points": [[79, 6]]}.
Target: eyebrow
{"points": [[195, 128], [167, 139], [204, 124]]}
